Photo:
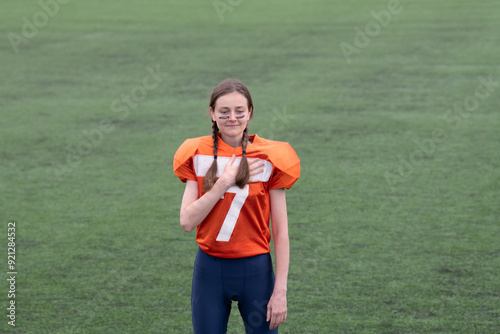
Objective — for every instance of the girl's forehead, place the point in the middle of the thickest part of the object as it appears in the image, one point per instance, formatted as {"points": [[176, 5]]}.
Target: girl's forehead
{"points": [[233, 99]]}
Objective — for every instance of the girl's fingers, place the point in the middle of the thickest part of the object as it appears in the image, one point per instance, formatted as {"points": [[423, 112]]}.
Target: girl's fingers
{"points": [[230, 162], [252, 160], [253, 180], [256, 171], [255, 166]]}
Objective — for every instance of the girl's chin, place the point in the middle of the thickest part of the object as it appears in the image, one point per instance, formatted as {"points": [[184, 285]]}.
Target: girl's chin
{"points": [[232, 134]]}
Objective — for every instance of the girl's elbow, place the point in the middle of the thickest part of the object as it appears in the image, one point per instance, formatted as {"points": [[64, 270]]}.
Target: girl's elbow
{"points": [[187, 229], [185, 226]]}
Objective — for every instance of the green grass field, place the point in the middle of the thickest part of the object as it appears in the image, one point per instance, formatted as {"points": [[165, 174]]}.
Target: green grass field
{"points": [[394, 224]]}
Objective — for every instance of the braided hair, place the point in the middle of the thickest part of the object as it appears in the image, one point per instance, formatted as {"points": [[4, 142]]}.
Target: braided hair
{"points": [[243, 175]]}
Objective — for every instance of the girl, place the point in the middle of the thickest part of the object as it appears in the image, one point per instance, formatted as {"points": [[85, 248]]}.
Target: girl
{"points": [[235, 182]]}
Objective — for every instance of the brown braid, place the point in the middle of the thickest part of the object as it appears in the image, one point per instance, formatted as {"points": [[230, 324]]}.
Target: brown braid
{"points": [[243, 174], [215, 138], [211, 176]]}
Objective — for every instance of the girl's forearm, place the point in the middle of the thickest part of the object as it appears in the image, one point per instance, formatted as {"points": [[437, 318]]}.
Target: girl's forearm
{"points": [[279, 219], [192, 215], [282, 254]]}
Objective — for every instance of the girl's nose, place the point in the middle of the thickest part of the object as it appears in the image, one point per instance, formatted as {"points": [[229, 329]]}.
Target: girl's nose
{"points": [[232, 116]]}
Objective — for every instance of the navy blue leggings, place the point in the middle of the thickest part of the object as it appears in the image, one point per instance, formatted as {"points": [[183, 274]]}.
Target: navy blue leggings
{"points": [[217, 281]]}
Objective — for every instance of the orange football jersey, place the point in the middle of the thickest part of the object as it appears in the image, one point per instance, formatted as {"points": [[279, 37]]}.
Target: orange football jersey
{"points": [[238, 225]]}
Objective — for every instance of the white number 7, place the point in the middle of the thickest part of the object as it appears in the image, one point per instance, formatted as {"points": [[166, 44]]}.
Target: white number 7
{"points": [[234, 212]]}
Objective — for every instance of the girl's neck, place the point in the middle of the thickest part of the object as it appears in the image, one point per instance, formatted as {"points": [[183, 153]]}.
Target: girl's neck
{"points": [[232, 141]]}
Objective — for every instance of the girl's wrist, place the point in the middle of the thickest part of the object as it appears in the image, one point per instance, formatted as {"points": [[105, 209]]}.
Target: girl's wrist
{"points": [[223, 184], [279, 291], [280, 286]]}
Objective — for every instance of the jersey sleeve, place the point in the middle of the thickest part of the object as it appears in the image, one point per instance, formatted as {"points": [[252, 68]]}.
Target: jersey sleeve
{"points": [[286, 167], [183, 161]]}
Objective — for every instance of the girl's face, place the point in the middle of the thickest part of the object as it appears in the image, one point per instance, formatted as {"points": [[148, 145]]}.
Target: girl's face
{"points": [[232, 115]]}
